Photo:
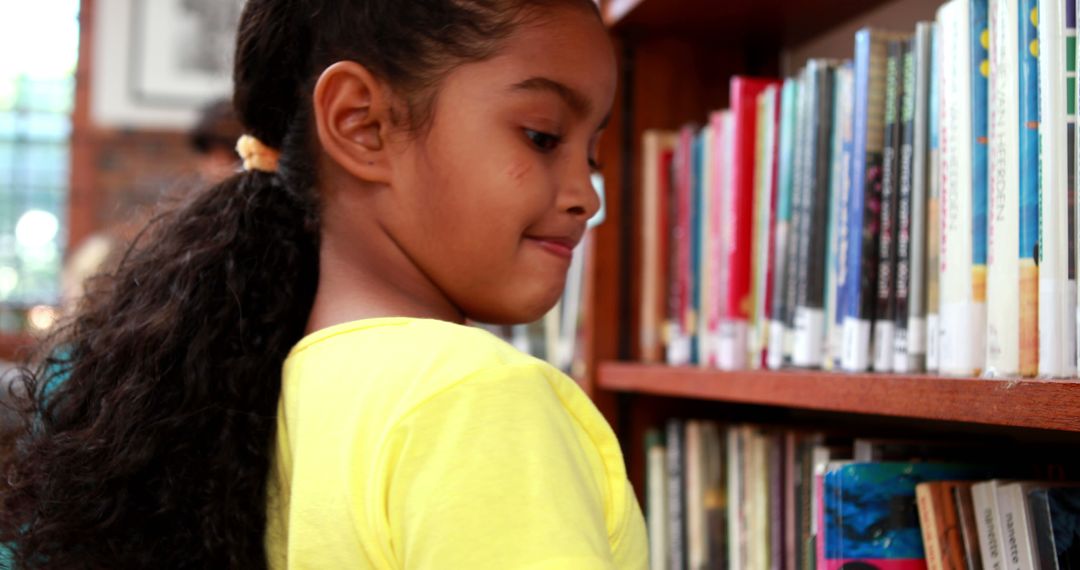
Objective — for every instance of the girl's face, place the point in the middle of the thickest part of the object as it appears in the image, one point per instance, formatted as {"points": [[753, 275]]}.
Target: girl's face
{"points": [[490, 201]]}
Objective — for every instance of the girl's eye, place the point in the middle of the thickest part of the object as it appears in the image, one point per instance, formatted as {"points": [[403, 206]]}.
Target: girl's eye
{"points": [[595, 165], [545, 142]]}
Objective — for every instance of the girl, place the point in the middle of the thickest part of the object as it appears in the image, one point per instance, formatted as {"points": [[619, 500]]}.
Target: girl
{"points": [[280, 376]]}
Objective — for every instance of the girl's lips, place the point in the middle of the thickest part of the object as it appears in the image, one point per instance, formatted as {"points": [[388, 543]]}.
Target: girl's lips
{"points": [[561, 247]]}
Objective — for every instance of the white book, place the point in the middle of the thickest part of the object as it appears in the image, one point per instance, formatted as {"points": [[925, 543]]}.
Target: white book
{"points": [[988, 524], [763, 215], [733, 334], [1055, 345], [652, 310], [657, 507], [736, 525], [958, 311], [697, 544], [1018, 548], [1003, 236]]}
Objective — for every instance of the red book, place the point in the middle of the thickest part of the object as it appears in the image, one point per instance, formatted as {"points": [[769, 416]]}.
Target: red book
{"points": [[680, 305], [740, 232]]}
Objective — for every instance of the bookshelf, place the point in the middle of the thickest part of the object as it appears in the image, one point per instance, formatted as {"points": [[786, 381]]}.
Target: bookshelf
{"points": [[676, 58]]}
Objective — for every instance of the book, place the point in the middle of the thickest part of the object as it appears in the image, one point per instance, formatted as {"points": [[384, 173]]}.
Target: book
{"points": [[988, 523], [813, 204], [1028, 86], [933, 210], [969, 530], [681, 317], [736, 514], [715, 488], [902, 284], [940, 522], [885, 310], [656, 509], [715, 176], [957, 336], [676, 499], [657, 151], [802, 172], [1054, 137], [838, 238], [1003, 232], [694, 495], [785, 183], [764, 218], [744, 92], [871, 515], [914, 342], [979, 70], [865, 199], [1018, 547], [1054, 513], [698, 229]]}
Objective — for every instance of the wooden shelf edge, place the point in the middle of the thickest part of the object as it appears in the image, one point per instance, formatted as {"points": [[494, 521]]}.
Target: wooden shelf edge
{"points": [[1038, 404]]}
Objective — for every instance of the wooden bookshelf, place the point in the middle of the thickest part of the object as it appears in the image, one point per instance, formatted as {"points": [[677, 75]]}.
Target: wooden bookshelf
{"points": [[785, 22], [1040, 404], [676, 58]]}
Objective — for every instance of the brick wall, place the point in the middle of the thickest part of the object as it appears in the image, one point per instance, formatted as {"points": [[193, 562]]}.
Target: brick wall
{"points": [[117, 175]]}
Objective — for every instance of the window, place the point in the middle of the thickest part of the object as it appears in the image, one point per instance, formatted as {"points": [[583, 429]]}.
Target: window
{"points": [[39, 41]]}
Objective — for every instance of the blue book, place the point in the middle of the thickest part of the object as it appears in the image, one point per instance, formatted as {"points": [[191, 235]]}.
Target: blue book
{"points": [[697, 187], [980, 115], [1029, 187], [864, 203], [871, 516]]}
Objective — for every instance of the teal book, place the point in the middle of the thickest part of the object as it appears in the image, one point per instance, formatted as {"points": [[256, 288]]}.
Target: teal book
{"points": [[1029, 187]]}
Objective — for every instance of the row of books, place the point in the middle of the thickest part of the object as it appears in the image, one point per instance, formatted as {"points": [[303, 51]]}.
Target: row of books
{"points": [[752, 498], [912, 209]]}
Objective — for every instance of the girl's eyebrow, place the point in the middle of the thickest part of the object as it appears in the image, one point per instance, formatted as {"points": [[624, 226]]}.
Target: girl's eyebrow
{"points": [[578, 103]]}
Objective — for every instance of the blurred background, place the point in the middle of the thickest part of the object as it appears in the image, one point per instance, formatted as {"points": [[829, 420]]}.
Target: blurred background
{"points": [[107, 108], [110, 109]]}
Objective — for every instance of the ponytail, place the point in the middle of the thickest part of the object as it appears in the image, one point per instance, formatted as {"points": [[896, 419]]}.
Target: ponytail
{"points": [[160, 431]]}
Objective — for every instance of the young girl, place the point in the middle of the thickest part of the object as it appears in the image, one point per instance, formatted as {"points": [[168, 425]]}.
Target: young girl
{"points": [[279, 376]]}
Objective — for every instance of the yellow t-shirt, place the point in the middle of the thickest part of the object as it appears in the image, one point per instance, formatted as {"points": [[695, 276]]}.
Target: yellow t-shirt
{"points": [[410, 443]]}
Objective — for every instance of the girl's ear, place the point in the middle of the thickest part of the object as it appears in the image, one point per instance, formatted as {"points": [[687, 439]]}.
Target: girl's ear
{"points": [[352, 118]]}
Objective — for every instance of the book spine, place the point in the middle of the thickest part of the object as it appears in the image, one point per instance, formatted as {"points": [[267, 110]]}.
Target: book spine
{"points": [[809, 312], [763, 223], [885, 310], [928, 524], [1025, 531], [697, 242], [676, 499], [728, 334], [656, 511], [736, 527], [657, 153], [984, 498], [840, 189], [979, 70], [1071, 349], [715, 244], [933, 208], [917, 290], [1008, 518], [733, 341], [956, 349], [707, 261], [1054, 137], [861, 259], [1003, 232], [969, 532], [678, 352], [694, 493], [796, 277], [903, 213], [785, 183], [1028, 86]]}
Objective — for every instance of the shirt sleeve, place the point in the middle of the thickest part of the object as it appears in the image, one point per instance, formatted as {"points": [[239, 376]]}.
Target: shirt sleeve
{"points": [[496, 472]]}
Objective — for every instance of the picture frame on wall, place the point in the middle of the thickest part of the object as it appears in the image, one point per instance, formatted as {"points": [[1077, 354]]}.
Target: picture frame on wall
{"points": [[156, 63], [183, 50]]}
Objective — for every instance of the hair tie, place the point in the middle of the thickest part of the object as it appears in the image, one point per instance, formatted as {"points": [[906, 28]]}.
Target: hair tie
{"points": [[256, 155]]}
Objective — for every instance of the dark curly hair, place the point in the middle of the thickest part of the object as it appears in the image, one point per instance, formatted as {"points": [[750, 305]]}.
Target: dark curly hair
{"points": [[149, 418]]}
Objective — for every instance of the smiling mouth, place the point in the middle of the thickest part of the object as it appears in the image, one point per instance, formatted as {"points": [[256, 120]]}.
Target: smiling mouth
{"points": [[563, 248]]}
